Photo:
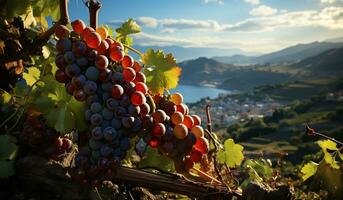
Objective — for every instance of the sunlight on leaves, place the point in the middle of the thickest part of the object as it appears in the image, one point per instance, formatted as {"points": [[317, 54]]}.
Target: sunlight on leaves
{"points": [[232, 154], [308, 170]]}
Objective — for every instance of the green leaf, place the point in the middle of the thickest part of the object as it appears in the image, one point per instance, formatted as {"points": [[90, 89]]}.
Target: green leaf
{"points": [[232, 154], [109, 30], [14, 8], [45, 8], [261, 167], [308, 170], [8, 148], [61, 119], [44, 104], [78, 109], [31, 76], [154, 159], [163, 72], [5, 97], [128, 27], [45, 52], [6, 168], [327, 144]]}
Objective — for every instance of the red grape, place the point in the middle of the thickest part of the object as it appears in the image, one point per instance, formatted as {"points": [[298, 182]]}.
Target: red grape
{"points": [[177, 118], [154, 143], [170, 108], [159, 116], [196, 119], [61, 76], [62, 31], [105, 75], [180, 131], [86, 32], [103, 47], [177, 98], [198, 131], [181, 108], [117, 91], [202, 145], [137, 67], [101, 62], [158, 130], [79, 95], [141, 87], [195, 155], [129, 74], [93, 40], [127, 61], [188, 121], [140, 77], [78, 26], [145, 109], [137, 98], [116, 54]]}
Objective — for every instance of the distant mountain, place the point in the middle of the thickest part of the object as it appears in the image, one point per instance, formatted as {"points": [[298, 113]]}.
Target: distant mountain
{"points": [[187, 53], [335, 40], [285, 56], [327, 62]]}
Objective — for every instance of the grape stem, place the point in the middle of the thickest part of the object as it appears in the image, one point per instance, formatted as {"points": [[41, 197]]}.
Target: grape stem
{"points": [[93, 7], [323, 135], [207, 176], [133, 50]]}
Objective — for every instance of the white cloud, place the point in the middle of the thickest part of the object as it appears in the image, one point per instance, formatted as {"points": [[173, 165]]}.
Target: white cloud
{"points": [[255, 2], [252, 45], [213, 1], [178, 24], [147, 21], [263, 11], [330, 1]]}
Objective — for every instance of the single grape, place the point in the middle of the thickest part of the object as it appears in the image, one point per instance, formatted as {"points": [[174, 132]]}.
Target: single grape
{"points": [[117, 78], [102, 32], [128, 122], [195, 155], [137, 125], [140, 77], [137, 67], [94, 144], [62, 31], [59, 61], [129, 87], [202, 145], [154, 143], [117, 91], [116, 53], [133, 110], [196, 119], [177, 98], [92, 73], [96, 107], [144, 109], [103, 47], [111, 103], [170, 108], [158, 130], [110, 133], [177, 118], [147, 121], [72, 70], [120, 112], [79, 48], [105, 96], [78, 81], [137, 98], [101, 62], [129, 74], [63, 45], [105, 75], [116, 123], [90, 87], [116, 44], [79, 95], [97, 133], [61, 76], [127, 61], [96, 119], [105, 124], [78, 26], [106, 150], [69, 57], [93, 40], [180, 131], [92, 54], [181, 108], [91, 99], [159, 116], [107, 114], [198, 131], [141, 87], [188, 121]]}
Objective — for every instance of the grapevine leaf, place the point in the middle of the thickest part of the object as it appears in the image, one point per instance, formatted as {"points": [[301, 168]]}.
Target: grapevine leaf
{"points": [[308, 170], [163, 73], [128, 27], [14, 8], [261, 167], [327, 144], [28, 18], [329, 179], [45, 52], [44, 104], [109, 29], [44, 8], [5, 97], [78, 109], [31, 76], [340, 155], [232, 154], [8, 148], [329, 159], [153, 159], [61, 119], [6, 168]]}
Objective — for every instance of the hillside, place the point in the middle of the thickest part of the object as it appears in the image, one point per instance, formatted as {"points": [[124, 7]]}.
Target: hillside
{"points": [[288, 55]]}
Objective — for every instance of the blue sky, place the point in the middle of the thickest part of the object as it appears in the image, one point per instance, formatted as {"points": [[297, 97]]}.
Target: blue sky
{"points": [[251, 25]]}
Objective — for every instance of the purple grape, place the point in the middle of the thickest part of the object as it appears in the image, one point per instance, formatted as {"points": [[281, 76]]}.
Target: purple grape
{"points": [[96, 107], [72, 70], [97, 133], [63, 45], [106, 150], [110, 134], [128, 122], [79, 48], [133, 110], [96, 119], [95, 144], [125, 144], [115, 123], [117, 78], [92, 73], [106, 86], [82, 62], [111, 103], [78, 81], [60, 62], [125, 101], [107, 114], [91, 99], [90, 87], [88, 114], [69, 57]]}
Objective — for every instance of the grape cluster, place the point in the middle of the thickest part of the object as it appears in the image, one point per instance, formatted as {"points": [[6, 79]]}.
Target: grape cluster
{"points": [[175, 132], [95, 69], [43, 140]]}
